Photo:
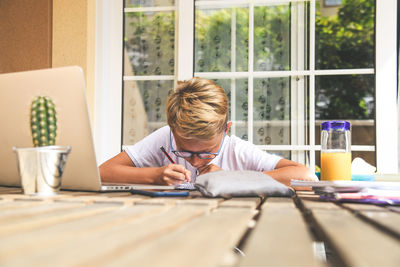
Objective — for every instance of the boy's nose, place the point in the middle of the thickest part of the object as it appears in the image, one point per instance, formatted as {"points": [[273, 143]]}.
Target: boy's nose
{"points": [[195, 160]]}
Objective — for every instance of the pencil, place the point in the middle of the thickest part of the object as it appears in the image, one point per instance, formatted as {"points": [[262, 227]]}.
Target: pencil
{"points": [[167, 155]]}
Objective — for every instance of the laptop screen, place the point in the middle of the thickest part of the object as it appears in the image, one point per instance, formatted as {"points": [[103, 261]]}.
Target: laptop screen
{"points": [[66, 87]]}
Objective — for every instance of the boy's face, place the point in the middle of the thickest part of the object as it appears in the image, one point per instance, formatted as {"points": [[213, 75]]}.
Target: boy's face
{"points": [[198, 145]]}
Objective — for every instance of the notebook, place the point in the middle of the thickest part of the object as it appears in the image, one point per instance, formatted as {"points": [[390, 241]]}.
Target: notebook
{"points": [[66, 87]]}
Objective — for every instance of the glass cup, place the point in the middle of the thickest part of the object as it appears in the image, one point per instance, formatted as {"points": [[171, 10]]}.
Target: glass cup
{"points": [[335, 150]]}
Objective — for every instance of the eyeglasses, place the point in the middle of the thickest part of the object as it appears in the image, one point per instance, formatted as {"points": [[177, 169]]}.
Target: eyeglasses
{"points": [[189, 154]]}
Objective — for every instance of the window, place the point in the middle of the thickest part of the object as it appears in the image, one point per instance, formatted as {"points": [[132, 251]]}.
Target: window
{"points": [[149, 68], [286, 67]]}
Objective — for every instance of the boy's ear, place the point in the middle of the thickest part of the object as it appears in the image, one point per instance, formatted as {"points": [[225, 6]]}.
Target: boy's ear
{"points": [[228, 125]]}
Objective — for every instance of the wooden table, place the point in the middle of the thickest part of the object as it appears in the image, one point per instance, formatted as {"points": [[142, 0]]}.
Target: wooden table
{"points": [[120, 229]]}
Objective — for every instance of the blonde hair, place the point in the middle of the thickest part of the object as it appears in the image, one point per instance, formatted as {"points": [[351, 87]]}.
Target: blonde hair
{"points": [[198, 108]]}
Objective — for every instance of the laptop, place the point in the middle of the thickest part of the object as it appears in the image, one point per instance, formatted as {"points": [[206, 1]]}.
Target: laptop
{"points": [[66, 87]]}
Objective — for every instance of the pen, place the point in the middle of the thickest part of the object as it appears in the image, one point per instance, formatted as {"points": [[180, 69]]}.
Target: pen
{"points": [[170, 159], [167, 155]]}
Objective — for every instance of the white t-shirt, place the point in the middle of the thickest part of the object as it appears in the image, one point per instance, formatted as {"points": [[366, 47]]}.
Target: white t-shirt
{"points": [[235, 154]]}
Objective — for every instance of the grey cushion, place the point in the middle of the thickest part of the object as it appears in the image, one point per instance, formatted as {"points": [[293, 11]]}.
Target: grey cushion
{"points": [[240, 184]]}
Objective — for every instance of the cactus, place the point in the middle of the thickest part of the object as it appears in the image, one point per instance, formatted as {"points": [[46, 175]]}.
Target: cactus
{"points": [[43, 121]]}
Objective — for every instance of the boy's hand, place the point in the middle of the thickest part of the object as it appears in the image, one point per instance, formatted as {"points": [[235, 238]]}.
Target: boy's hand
{"points": [[208, 168], [175, 174]]}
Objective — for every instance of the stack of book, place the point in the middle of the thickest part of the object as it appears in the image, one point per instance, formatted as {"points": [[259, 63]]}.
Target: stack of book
{"points": [[371, 192]]}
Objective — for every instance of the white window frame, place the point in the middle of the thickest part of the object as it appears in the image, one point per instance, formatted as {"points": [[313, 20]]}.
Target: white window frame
{"points": [[386, 86], [108, 88], [108, 79]]}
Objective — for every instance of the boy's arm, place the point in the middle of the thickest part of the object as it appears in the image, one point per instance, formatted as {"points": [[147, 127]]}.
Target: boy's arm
{"points": [[120, 169], [287, 170]]}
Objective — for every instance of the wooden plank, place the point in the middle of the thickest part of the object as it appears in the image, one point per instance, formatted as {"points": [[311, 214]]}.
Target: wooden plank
{"points": [[171, 201], [20, 224], [381, 216], [78, 193], [210, 202], [77, 196], [30, 243], [122, 200], [115, 194], [94, 247], [16, 194], [201, 242], [280, 237], [395, 209], [19, 213], [10, 204], [178, 201], [245, 202], [363, 207], [23, 197], [357, 242], [100, 199]]}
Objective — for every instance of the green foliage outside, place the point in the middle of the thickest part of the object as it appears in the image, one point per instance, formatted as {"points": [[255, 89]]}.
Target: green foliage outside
{"points": [[213, 53], [213, 39], [150, 42], [342, 42]]}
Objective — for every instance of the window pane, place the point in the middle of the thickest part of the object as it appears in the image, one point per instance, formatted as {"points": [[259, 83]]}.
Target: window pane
{"points": [[283, 154], [214, 47], [271, 37], [144, 108], [148, 3], [149, 43], [347, 97], [345, 40], [237, 92], [271, 111]]}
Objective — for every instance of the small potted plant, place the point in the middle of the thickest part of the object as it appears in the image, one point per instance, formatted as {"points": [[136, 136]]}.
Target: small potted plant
{"points": [[42, 166]]}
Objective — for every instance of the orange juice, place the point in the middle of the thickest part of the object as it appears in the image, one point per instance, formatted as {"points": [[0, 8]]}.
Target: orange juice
{"points": [[336, 166]]}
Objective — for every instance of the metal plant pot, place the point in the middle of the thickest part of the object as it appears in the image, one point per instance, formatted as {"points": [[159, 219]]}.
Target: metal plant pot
{"points": [[41, 168]]}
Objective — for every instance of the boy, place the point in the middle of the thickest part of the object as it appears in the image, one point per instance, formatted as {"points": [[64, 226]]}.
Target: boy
{"points": [[196, 139]]}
